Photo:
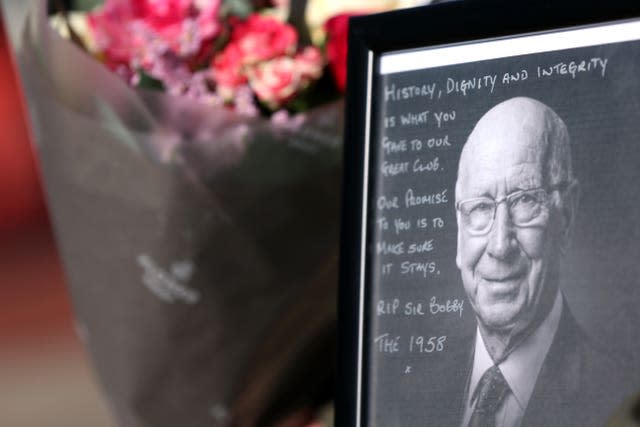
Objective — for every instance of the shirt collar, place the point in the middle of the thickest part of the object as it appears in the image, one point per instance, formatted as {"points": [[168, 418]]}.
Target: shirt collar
{"points": [[521, 368]]}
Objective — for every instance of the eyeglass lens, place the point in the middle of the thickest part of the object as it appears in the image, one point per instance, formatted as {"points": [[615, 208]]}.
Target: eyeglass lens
{"points": [[524, 207]]}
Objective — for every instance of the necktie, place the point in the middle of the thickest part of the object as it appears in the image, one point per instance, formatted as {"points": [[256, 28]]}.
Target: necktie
{"points": [[491, 391]]}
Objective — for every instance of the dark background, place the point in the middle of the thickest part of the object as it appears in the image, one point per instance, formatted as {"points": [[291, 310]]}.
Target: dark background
{"points": [[602, 269]]}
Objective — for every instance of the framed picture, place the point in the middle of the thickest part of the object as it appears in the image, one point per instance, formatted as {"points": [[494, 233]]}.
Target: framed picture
{"points": [[490, 273]]}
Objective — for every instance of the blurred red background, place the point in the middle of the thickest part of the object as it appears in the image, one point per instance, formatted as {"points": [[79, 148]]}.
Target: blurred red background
{"points": [[29, 266], [21, 204], [46, 380]]}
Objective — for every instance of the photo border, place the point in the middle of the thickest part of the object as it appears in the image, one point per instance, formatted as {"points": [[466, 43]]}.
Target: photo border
{"points": [[370, 37]]}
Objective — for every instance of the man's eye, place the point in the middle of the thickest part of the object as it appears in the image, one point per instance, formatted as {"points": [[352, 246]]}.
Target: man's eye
{"points": [[525, 200], [481, 207]]}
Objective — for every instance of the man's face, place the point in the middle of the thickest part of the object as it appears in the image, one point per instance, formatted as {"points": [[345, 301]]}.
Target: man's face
{"points": [[506, 271]]}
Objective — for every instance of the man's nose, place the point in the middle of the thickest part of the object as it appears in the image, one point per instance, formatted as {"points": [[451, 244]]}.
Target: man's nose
{"points": [[501, 236]]}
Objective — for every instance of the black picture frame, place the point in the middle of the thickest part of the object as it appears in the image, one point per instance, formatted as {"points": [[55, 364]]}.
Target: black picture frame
{"points": [[370, 37]]}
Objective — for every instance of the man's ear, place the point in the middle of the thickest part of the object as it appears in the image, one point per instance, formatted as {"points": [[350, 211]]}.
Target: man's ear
{"points": [[569, 208], [458, 258]]}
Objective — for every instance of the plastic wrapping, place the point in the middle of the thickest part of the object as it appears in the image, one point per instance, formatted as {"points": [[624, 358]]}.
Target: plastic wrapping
{"points": [[199, 246]]}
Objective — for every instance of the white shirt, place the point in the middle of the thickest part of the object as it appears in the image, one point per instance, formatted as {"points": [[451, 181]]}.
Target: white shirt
{"points": [[520, 369]]}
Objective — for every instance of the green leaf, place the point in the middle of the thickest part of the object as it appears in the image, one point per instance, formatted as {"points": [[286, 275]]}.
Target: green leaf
{"points": [[148, 82], [241, 8], [85, 5]]}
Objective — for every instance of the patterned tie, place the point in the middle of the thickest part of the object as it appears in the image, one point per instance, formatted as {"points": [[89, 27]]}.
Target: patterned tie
{"points": [[490, 393]]}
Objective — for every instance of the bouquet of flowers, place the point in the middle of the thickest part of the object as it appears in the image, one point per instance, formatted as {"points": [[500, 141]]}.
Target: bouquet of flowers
{"points": [[191, 154], [242, 55]]}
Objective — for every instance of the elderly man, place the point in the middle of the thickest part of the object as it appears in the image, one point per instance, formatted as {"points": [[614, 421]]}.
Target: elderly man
{"points": [[516, 199]]}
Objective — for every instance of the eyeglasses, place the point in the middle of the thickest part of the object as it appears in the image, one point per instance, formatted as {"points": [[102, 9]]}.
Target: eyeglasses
{"points": [[526, 208]]}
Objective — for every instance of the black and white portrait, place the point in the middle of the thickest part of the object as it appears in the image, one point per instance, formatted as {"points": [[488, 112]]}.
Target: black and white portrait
{"points": [[506, 242], [516, 201]]}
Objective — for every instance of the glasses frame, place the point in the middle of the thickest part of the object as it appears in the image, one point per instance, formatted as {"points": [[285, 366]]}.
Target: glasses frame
{"points": [[548, 191]]}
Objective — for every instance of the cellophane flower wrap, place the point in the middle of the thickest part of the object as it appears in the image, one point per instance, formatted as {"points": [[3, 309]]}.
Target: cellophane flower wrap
{"points": [[199, 242], [197, 224]]}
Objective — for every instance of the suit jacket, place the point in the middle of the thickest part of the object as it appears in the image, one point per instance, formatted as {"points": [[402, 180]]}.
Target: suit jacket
{"points": [[578, 385]]}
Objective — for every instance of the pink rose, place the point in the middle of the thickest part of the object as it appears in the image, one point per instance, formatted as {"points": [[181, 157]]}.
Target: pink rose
{"points": [[275, 82], [180, 21], [228, 71], [310, 63], [110, 32], [279, 80], [128, 30], [260, 38], [252, 41]]}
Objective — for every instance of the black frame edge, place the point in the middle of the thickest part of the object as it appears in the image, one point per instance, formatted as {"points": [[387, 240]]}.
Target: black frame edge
{"points": [[351, 226], [473, 20]]}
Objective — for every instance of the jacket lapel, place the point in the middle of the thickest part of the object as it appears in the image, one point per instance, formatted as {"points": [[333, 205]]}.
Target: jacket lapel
{"points": [[558, 384]]}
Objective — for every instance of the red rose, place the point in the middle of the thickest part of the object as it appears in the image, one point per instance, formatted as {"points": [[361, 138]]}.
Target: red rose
{"points": [[337, 29], [171, 18], [253, 41], [229, 73], [261, 38], [127, 30]]}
